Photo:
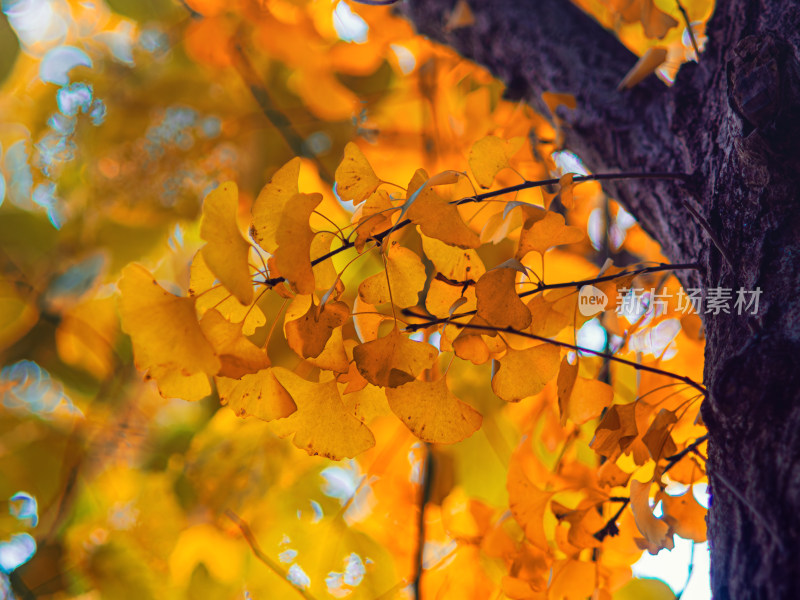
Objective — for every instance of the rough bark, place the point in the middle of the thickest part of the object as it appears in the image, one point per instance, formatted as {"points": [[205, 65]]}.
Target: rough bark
{"points": [[733, 122]]}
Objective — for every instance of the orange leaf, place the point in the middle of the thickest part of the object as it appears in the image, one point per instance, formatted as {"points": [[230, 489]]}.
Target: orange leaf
{"points": [[524, 373], [227, 252], [431, 411], [393, 360], [308, 335], [658, 439], [545, 233], [616, 431], [436, 217], [527, 503], [647, 64], [498, 302], [581, 399], [685, 515], [654, 530]]}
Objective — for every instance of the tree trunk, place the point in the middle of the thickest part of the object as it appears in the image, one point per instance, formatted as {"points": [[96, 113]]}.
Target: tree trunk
{"points": [[732, 122]]}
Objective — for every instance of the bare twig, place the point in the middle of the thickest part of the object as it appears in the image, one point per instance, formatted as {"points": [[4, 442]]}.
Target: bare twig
{"points": [[259, 554], [690, 30], [611, 526], [541, 287], [630, 363], [676, 458]]}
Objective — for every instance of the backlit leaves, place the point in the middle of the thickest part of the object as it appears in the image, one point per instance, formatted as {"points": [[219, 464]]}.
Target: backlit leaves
{"points": [[322, 424], [490, 155], [355, 179], [393, 360], [436, 217], [524, 373], [432, 412], [294, 237], [226, 252]]}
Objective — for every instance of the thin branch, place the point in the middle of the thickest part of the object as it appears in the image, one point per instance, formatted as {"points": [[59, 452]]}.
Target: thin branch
{"points": [[676, 458], [685, 177], [541, 287], [379, 237], [428, 467], [630, 363], [691, 36], [259, 554], [611, 526]]}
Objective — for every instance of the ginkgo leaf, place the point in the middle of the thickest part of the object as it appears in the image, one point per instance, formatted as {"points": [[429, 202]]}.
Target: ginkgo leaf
{"points": [[393, 360], [528, 504], [325, 275], [565, 192], [656, 23], [685, 516], [334, 356], [237, 354], [435, 216], [524, 373], [657, 438], [406, 279], [654, 530], [444, 299], [163, 327], [547, 315], [355, 179], [208, 294], [271, 203], [490, 155], [431, 411], [367, 320], [294, 237], [611, 475], [309, 334], [647, 64], [581, 399], [457, 264], [616, 431], [374, 217], [227, 252], [322, 424], [172, 383], [498, 302], [572, 579], [256, 395], [546, 233]]}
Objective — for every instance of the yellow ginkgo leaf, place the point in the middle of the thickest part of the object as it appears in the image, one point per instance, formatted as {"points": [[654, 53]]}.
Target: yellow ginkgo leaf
{"points": [[490, 155], [322, 424], [334, 356], [374, 216], [498, 302], [616, 431], [324, 272], [572, 579], [457, 264], [355, 179], [548, 316], [460, 16], [227, 252], [163, 327], [294, 237], [431, 411], [237, 354], [209, 294], [685, 516], [393, 360], [272, 202], [523, 373], [581, 399], [654, 530], [546, 233], [172, 383], [308, 335], [256, 395], [436, 217], [406, 279]]}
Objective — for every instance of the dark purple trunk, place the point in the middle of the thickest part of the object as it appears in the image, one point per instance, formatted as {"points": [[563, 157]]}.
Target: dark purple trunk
{"points": [[732, 122]]}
